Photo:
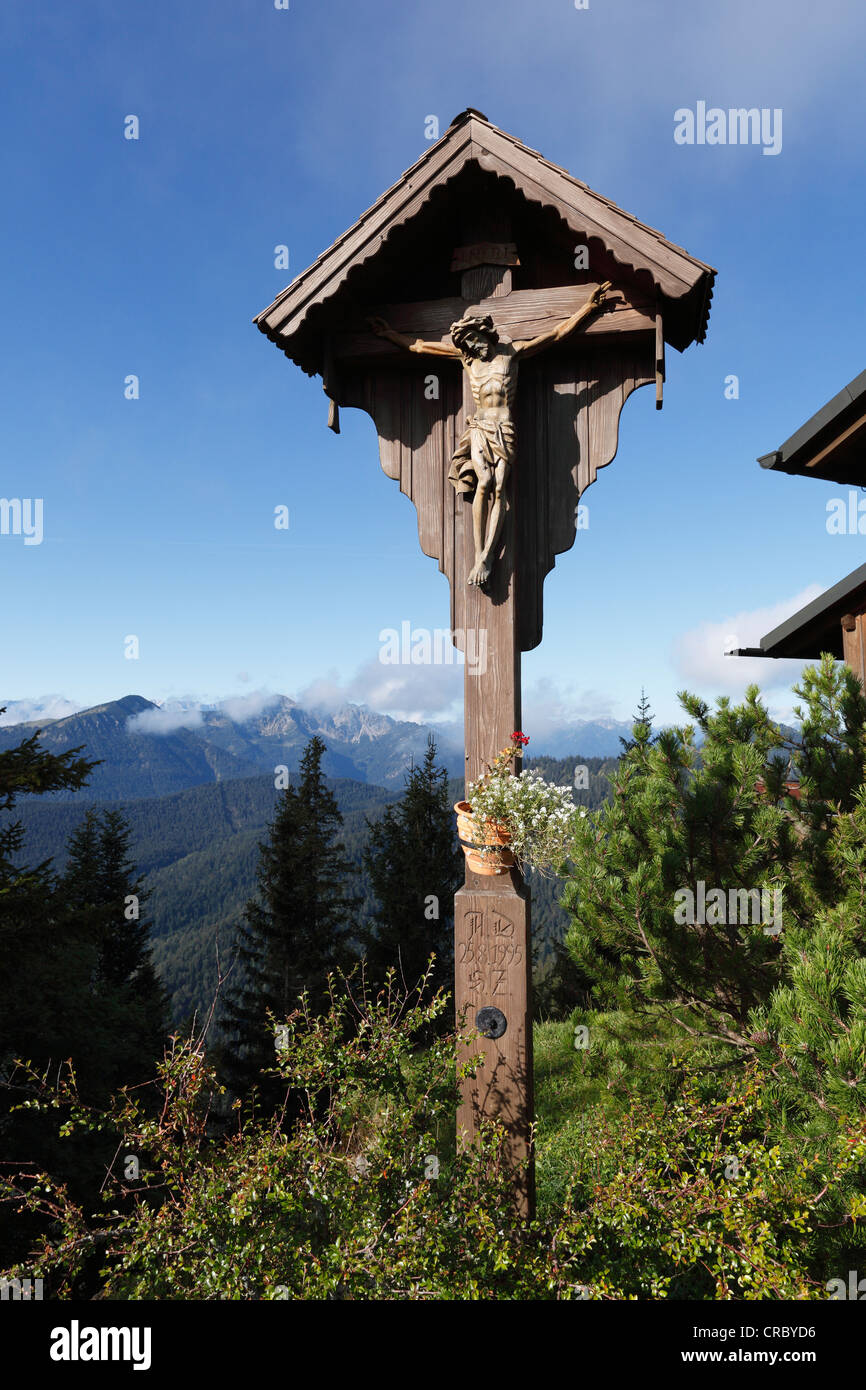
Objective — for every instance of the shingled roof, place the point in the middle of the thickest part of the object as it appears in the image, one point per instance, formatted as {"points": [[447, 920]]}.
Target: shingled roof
{"points": [[684, 285]]}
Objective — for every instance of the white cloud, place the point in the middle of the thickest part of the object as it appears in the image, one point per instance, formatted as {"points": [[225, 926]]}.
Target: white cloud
{"points": [[549, 707], [187, 713], [433, 694], [429, 693], [424, 694], [699, 655], [44, 707], [165, 720], [325, 695], [241, 708]]}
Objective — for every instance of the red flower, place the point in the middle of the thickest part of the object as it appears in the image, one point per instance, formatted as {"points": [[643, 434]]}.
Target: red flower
{"points": [[518, 737]]}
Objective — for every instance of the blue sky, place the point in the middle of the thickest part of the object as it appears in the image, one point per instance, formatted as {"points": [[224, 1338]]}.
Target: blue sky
{"points": [[260, 127]]}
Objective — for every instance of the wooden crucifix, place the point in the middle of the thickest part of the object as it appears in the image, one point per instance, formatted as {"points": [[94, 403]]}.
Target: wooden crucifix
{"points": [[492, 315], [480, 467]]}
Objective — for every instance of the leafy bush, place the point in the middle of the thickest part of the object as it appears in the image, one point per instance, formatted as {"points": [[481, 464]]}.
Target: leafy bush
{"points": [[366, 1198], [695, 1202]]}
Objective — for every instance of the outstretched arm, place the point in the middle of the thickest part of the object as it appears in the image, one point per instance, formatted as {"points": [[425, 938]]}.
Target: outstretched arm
{"points": [[565, 326], [383, 329]]}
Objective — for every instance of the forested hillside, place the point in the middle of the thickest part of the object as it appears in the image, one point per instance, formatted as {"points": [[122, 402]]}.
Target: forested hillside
{"points": [[197, 850]]}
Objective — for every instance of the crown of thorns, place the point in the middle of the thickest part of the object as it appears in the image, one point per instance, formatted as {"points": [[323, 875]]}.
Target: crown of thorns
{"points": [[474, 323]]}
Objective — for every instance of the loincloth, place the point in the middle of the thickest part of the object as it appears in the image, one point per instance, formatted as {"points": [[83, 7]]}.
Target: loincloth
{"points": [[491, 441]]}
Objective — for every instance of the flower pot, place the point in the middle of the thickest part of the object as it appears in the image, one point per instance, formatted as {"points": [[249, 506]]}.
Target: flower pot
{"points": [[485, 843]]}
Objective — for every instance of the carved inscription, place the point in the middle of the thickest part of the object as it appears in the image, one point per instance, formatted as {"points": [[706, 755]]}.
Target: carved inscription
{"points": [[485, 943]]}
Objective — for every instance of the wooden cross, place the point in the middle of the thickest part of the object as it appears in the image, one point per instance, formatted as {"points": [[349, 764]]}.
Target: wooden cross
{"points": [[452, 221]]}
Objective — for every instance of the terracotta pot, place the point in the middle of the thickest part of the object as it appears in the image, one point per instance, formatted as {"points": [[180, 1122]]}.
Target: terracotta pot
{"points": [[485, 843]]}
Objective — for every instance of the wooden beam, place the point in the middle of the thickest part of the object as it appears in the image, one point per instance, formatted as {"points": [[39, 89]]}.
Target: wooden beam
{"points": [[835, 442], [522, 314], [854, 643], [660, 359], [629, 240], [331, 386], [484, 253]]}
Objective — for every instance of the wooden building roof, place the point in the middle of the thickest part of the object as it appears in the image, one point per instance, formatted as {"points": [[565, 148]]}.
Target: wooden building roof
{"points": [[816, 628], [300, 318], [832, 444]]}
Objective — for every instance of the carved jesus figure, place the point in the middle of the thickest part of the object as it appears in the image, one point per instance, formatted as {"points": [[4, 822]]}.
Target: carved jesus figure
{"points": [[486, 452]]}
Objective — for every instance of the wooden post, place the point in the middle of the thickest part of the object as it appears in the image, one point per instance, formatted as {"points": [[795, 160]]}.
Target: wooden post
{"points": [[492, 924], [492, 936], [660, 359], [854, 643]]}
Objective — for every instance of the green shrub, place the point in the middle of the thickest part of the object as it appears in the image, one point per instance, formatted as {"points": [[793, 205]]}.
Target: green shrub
{"points": [[349, 1204]]}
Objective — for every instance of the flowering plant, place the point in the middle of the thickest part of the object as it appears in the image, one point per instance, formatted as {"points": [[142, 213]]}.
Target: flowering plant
{"points": [[539, 816]]}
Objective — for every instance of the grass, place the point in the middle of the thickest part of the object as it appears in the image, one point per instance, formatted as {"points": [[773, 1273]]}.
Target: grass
{"points": [[579, 1088]]}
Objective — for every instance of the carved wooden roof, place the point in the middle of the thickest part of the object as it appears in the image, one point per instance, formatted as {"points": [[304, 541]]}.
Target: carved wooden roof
{"points": [[682, 283]]}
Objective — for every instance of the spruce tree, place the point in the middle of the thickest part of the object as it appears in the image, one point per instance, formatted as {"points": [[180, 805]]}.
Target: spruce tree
{"points": [[642, 723], [45, 973], [296, 932], [104, 896], [415, 867]]}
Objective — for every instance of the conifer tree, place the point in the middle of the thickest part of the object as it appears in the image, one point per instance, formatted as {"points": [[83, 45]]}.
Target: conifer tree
{"points": [[667, 876], [297, 932], [415, 867], [104, 896], [812, 1034], [41, 968], [44, 971], [642, 723]]}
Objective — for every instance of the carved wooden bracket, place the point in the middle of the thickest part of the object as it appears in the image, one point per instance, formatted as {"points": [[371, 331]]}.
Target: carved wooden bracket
{"points": [[567, 412]]}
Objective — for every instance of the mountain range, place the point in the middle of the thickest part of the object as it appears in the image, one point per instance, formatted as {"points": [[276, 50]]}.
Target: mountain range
{"points": [[147, 750], [198, 801]]}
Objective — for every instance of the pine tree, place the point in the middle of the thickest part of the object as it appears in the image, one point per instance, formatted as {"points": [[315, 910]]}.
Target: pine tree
{"points": [[45, 973], [667, 875], [415, 867], [104, 895], [812, 1035], [41, 968], [297, 932], [642, 723]]}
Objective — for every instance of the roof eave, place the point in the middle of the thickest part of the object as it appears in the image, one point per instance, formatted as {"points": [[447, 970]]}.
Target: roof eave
{"points": [[796, 456], [823, 613], [473, 139]]}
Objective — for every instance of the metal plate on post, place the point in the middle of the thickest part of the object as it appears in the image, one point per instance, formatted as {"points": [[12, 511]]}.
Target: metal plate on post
{"points": [[491, 1022]]}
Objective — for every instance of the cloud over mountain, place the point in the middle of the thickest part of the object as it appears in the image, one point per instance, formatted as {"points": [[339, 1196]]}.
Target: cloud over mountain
{"points": [[40, 707], [165, 719]]}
